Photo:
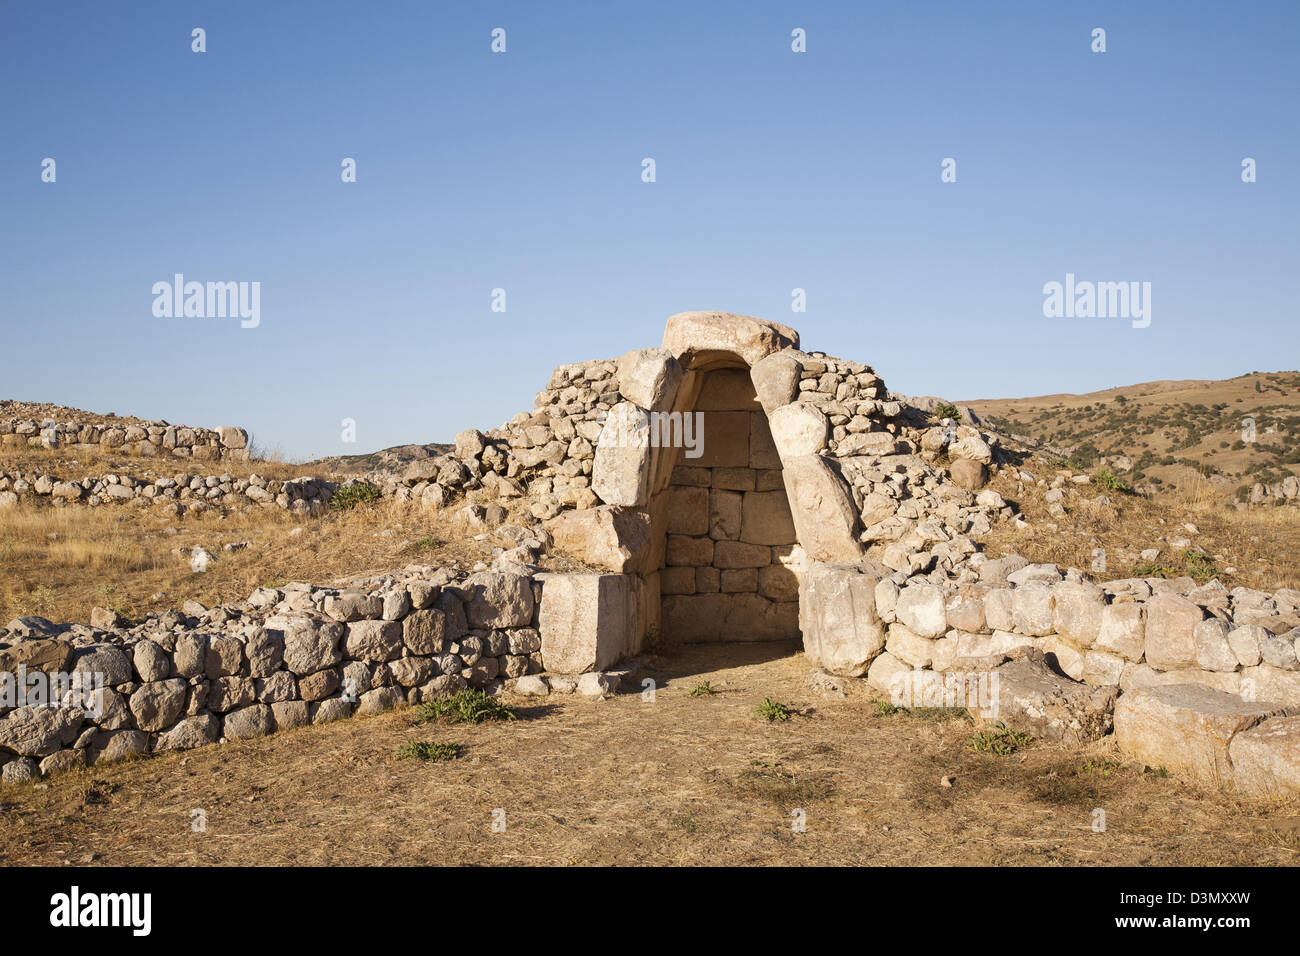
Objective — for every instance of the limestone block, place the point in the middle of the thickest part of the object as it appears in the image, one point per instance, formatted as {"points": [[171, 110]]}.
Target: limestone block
{"points": [[823, 510], [702, 340], [1187, 729], [842, 633], [587, 621]]}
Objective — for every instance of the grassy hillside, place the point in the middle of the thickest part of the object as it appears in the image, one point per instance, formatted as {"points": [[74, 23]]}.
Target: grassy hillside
{"points": [[1170, 432]]}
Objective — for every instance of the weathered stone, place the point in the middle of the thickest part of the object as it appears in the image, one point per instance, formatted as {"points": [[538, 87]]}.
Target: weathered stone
{"points": [[837, 612], [1265, 758], [922, 608], [1032, 609], [189, 733], [104, 659], [1033, 699], [374, 640], [1123, 631], [255, 720], [649, 378], [309, 644], [823, 510], [620, 473], [968, 474], [191, 654], [703, 340], [586, 621], [287, 714], [1186, 729], [606, 537], [776, 379], [38, 731], [43, 655], [157, 705], [799, 429], [225, 657], [118, 745], [1212, 649], [1170, 633], [498, 599]]}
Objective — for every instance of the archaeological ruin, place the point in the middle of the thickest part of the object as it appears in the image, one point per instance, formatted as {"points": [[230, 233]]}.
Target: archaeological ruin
{"points": [[726, 486]]}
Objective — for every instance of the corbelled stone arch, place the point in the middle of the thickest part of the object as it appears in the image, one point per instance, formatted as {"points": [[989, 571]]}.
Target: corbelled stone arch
{"points": [[742, 521], [801, 512]]}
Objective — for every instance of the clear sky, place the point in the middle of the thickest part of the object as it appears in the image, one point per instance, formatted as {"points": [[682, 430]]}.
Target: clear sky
{"points": [[522, 170]]}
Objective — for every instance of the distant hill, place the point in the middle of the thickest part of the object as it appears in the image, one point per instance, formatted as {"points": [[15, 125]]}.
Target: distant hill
{"points": [[389, 461], [1166, 432]]}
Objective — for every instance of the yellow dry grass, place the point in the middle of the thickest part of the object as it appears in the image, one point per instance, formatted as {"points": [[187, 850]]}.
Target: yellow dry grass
{"points": [[61, 562], [689, 780], [1262, 544]]}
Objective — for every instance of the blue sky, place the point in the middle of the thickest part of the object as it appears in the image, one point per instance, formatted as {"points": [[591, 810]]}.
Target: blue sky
{"points": [[522, 171]]}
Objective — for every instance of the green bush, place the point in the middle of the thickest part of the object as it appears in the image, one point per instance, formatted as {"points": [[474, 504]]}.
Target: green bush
{"points": [[350, 496], [472, 706]]}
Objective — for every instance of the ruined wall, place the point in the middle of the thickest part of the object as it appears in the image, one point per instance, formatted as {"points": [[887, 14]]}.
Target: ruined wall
{"points": [[143, 439], [301, 655]]}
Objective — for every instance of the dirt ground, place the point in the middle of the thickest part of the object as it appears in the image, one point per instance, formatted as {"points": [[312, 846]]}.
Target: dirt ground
{"points": [[682, 779]]}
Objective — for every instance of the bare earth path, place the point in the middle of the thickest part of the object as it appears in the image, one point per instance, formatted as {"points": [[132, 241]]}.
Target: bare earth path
{"points": [[680, 780]]}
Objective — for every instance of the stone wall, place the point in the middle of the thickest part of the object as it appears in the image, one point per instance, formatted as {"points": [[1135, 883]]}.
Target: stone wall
{"points": [[177, 493], [142, 439], [1129, 633], [302, 655]]}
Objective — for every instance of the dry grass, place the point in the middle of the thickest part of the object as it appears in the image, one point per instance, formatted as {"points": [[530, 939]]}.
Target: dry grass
{"points": [[1262, 544], [124, 557], [684, 780]]}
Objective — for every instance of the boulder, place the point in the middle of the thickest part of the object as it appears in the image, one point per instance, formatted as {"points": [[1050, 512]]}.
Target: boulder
{"points": [[587, 622], [823, 510], [1030, 697], [842, 633], [649, 378], [606, 537], [1187, 728]]}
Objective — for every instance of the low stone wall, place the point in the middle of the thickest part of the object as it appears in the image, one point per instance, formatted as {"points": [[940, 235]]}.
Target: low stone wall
{"points": [[142, 439], [180, 492], [302, 655], [1129, 633], [1284, 492]]}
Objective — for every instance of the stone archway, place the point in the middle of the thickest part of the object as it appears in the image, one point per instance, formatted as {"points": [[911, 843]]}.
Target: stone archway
{"points": [[760, 504]]}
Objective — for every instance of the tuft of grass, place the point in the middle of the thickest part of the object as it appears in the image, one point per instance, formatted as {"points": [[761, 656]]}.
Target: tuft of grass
{"points": [[1069, 782], [885, 709], [1111, 482], [703, 689], [431, 543], [352, 495], [1198, 565], [428, 750], [771, 710], [472, 706], [998, 739]]}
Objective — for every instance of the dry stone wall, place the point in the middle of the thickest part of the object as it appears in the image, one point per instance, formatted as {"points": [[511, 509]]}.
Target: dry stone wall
{"points": [[178, 493], [142, 439], [300, 655]]}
